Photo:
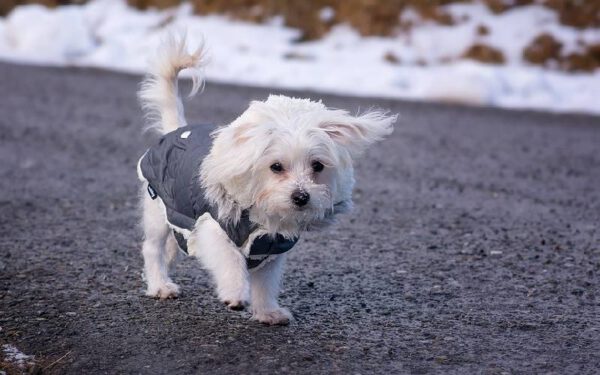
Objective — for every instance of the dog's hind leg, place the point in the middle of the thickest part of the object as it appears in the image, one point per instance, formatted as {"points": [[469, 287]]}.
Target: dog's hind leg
{"points": [[156, 256]]}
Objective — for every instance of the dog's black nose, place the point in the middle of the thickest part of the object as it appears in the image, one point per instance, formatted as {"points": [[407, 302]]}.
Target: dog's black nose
{"points": [[300, 198]]}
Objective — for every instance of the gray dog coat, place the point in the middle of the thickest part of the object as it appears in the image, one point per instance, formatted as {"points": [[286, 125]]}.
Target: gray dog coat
{"points": [[171, 169]]}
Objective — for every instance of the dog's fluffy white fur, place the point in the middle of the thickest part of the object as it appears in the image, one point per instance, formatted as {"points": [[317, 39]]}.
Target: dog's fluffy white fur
{"points": [[237, 175]]}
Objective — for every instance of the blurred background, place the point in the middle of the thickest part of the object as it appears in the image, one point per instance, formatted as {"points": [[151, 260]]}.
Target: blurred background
{"points": [[541, 54], [474, 246]]}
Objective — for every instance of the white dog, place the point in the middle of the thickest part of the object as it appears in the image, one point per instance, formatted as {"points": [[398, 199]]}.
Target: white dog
{"points": [[240, 198]]}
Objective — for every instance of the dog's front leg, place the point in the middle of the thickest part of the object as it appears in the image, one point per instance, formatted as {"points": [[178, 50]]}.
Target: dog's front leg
{"points": [[265, 283], [210, 244]]}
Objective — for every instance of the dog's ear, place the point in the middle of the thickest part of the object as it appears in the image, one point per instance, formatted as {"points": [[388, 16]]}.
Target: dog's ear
{"points": [[225, 172], [356, 133]]}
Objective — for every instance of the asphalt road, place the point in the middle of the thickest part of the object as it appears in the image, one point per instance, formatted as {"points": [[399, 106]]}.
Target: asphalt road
{"points": [[474, 246]]}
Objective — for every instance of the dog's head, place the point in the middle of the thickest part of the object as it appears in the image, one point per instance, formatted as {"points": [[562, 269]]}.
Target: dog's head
{"points": [[289, 161]]}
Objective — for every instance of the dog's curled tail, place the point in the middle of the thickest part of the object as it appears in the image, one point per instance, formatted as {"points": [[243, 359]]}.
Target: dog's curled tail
{"points": [[158, 94]]}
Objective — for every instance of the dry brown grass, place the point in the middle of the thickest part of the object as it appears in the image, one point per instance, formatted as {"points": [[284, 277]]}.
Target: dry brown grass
{"points": [[588, 60], [547, 51], [378, 17], [7, 5], [543, 50], [382, 17], [161, 4], [303, 15], [577, 13], [484, 53], [370, 17]]}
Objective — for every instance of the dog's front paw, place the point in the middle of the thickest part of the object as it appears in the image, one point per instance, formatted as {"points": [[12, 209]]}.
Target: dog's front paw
{"points": [[235, 305], [279, 316], [236, 298], [163, 291]]}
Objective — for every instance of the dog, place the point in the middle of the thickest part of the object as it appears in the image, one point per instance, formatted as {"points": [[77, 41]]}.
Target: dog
{"points": [[240, 197]]}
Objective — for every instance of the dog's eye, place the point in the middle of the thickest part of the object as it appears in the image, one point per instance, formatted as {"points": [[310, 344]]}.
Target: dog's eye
{"points": [[277, 167], [317, 166]]}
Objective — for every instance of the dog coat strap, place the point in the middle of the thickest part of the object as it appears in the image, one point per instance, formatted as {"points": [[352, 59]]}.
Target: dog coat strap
{"points": [[181, 241], [265, 245], [239, 232]]}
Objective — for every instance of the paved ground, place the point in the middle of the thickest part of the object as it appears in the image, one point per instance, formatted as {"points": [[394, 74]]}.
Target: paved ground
{"points": [[474, 247]]}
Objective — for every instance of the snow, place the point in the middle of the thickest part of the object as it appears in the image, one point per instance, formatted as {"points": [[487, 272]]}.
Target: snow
{"points": [[109, 34], [14, 356]]}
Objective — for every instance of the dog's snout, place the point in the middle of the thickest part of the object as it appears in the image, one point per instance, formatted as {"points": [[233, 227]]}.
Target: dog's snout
{"points": [[300, 198]]}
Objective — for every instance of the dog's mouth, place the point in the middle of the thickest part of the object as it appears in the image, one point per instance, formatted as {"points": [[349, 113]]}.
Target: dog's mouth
{"points": [[311, 212], [300, 214]]}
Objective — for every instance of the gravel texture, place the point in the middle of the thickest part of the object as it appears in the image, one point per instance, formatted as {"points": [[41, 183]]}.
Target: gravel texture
{"points": [[474, 246]]}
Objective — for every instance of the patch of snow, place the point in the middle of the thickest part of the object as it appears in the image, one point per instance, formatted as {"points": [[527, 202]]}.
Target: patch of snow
{"points": [[16, 357], [327, 14], [110, 34], [36, 33], [513, 30]]}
